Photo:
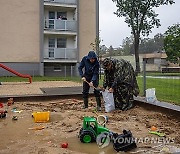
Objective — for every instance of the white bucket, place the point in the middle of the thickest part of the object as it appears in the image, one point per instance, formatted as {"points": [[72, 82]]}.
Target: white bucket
{"points": [[102, 119]]}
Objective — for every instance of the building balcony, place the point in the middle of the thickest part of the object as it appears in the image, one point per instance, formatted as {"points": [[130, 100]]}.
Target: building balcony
{"points": [[60, 25], [61, 54], [65, 2]]}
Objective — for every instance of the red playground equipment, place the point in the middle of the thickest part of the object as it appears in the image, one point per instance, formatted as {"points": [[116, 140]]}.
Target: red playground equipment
{"points": [[16, 73]]}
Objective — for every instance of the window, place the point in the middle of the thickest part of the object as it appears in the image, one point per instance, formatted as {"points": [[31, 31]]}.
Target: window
{"points": [[51, 19], [51, 15], [51, 47], [62, 15], [61, 42], [51, 53], [57, 68], [51, 42]]}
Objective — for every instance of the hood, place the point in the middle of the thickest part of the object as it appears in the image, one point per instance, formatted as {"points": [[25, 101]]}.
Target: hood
{"points": [[92, 54]]}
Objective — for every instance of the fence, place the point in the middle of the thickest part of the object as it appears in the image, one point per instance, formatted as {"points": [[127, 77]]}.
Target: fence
{"points": [[167, 85]]}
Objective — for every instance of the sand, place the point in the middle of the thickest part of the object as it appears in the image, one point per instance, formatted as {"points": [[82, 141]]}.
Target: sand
{"points": [[24, 88], [66, 117]]}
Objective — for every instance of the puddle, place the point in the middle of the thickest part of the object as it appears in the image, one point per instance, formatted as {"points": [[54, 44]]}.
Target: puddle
{"points": [[90, 148], [74, 144], [19, 131]]}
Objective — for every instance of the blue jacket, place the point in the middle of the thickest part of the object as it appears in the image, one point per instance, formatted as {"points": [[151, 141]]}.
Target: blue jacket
{"points": [[91, 69]]}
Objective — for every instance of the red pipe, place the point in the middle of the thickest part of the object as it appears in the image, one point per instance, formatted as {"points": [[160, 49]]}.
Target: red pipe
{"points": [[16, 73]]}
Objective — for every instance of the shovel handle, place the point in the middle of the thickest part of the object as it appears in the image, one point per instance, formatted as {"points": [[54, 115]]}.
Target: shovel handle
{"points": [[89, 84]]}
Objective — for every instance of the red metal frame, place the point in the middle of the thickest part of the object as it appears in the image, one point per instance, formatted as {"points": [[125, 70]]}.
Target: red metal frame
{"points": [[17, 73]]}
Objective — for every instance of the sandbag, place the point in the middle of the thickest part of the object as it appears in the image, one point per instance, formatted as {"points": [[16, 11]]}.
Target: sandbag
{"points": [[108, 101], [150, 95]]}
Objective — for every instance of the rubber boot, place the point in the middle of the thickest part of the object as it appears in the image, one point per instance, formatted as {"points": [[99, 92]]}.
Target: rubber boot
{"points": [[118, 105], [98, 101], [85, 103], [128, 106], [124, 106]]}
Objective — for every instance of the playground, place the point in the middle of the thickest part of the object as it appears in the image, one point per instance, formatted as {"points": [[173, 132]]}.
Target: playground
{"points": [[20, 133], [66, 116]]}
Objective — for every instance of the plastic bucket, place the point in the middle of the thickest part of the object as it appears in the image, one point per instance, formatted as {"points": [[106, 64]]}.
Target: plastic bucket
{"points": [[41, 116], [102, 119]]}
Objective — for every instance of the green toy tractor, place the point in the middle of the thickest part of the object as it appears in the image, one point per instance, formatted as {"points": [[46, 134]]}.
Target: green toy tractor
{"points": [[90, 130]]}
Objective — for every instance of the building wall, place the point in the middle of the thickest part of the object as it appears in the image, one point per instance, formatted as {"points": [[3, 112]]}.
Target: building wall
{"points": [[59, 69], [20, 31], [87, 25], [71, 41], [22, 68]]}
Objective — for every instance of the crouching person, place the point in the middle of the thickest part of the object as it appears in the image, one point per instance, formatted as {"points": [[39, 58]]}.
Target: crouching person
{"points": [[90, 77], [120, 79]]}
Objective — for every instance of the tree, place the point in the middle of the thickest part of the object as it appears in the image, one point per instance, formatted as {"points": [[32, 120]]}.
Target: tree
{"points": [[159, 42], [172, 43], [150, 45], [96, 45], [140, 16], [110, 50], [127, 45]]}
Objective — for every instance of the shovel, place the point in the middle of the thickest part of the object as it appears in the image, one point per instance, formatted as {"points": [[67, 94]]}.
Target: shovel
{"points": [[98, 89], [157, 133]]}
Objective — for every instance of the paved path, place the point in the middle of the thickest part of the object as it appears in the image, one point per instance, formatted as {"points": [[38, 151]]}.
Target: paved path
{"points": [[163, 77]]}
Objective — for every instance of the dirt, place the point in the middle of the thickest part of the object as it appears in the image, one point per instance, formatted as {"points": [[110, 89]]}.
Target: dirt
{"points": [[66, 117]]}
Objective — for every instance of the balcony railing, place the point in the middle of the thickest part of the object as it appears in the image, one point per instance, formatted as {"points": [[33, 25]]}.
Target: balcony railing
{"points": [[62, 1], [58, 24], [60, 53]]}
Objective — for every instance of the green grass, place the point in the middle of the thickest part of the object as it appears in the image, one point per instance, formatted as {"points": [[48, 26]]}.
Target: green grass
{"points": [[161, 74], [167, 90], [39, 78]]}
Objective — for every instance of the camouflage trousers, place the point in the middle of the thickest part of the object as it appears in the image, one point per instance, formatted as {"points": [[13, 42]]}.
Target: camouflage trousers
{"points": [[123, 96]]}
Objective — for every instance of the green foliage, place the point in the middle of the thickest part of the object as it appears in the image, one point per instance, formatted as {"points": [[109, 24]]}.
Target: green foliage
{"points": [[96, 45], [150, 45], [140, 16], [147, 45], [127, 45], [172, 43]]}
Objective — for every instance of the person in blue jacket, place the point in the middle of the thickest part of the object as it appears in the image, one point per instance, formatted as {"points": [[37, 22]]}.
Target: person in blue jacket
{"points": [[90, 65]]}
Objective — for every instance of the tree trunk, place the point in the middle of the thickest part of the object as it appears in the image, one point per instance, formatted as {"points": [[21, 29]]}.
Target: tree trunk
{"points": [[136, 52]]}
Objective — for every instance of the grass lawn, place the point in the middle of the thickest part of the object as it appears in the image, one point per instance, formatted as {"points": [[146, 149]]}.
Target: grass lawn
{"points": [[39, 78], [167, 90], [161, 74]]}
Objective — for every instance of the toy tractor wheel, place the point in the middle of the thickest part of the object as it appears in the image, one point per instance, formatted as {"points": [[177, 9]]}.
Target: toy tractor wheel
{"points": [[80, 131], [87, 137]]}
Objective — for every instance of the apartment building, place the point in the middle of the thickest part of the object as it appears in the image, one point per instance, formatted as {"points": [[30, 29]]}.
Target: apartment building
{"points": [[46, 38]]}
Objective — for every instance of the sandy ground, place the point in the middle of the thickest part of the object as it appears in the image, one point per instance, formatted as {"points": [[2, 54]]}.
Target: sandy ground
{"points": [[66, 118], [24, 88]]}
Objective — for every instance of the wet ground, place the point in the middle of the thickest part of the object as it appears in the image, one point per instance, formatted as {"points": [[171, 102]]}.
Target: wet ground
{"points": [[66, 116]]}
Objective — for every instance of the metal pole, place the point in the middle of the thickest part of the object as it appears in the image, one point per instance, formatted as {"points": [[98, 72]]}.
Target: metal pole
{"points": [[100, 62], [144, 76]]}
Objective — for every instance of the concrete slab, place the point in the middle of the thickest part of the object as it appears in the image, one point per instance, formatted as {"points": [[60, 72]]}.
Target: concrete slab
{"points": [[158, 104], [64, 91]]}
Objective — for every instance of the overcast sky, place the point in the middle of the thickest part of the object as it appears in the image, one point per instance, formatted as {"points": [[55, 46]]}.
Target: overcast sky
{"points": [[113, 29]]}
